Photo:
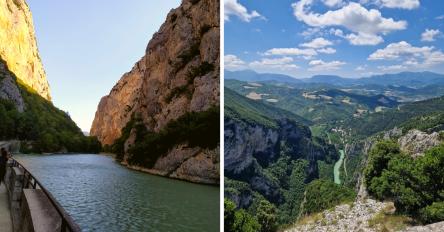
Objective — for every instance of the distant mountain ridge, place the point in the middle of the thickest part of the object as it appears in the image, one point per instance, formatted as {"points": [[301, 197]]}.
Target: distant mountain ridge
{"points": [[250, 75], [410, 79]]}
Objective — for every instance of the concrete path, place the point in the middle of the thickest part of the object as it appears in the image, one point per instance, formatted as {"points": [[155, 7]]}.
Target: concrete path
{"points": [[5, 214]]}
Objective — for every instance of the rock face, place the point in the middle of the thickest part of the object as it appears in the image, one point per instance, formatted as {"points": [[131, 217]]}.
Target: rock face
{"points": [[8, 87], [345, 217], [416, 142], [365, 214], [251, 147], [178, 74], [435, 227], [18, 46]]}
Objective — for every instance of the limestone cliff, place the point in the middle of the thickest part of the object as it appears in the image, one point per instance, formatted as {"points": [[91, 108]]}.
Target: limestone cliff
{"points": [[250, 148], [416, 142], [178, 74], [18, 46]]}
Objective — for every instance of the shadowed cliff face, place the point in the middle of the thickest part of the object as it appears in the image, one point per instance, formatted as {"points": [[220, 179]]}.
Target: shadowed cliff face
{"points": [[179, 73], [18, 46], [8, 87]]}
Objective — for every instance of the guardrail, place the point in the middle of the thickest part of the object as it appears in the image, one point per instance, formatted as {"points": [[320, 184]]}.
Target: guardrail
{"points": [[29, 180]]}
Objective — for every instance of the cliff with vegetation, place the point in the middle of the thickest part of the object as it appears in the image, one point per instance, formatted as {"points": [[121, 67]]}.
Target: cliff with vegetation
{"points": [[27, 116], [175, 85], [18, 46], [399, 177], [275, 169]]}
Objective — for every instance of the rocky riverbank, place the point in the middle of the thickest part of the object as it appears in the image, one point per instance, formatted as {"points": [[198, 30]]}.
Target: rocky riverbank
{"points": [[195, 165]]}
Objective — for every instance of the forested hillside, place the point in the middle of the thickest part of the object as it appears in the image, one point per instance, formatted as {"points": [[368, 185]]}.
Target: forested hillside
{"points": [[271, 161], [28, 117]]}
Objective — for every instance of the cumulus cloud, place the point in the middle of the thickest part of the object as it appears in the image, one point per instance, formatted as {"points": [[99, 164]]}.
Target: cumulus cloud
{"points": [[284, 63], [397, 67], [420, 57], [401, 4], [364, 39], [439, 17], [233, 62], [358, 39], [398, 50], [233, 7], [327, 50], [311, 32], [320, 65], [306, 53], [317, 43], [366, 26], [333, 3], [308, 50], [429, 35]]}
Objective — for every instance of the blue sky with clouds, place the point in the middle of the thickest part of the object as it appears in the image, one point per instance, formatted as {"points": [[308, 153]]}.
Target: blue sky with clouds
{"points": [[86, 46], [356, 38]]}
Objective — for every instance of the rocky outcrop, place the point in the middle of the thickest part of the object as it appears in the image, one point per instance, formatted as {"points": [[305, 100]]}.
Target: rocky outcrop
{"points": [[178, 74], [364, 215], [193, 164], [244, 142], [435, 227], [18, 46], [346, 217], [416, 142], [8, 87]]}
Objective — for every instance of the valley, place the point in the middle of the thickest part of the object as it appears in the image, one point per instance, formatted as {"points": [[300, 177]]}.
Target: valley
{"points": [[346, 118]]}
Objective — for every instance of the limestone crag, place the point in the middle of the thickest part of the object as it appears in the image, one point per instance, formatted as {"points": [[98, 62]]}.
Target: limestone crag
{"points": [[416, 142], [249, 147], [364, 215], [18, 46], [178, 74], [344, 217], [435, 227]]}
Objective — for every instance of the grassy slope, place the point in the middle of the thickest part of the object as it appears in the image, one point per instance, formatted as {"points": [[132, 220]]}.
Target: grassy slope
{"points": [[239, 107]]}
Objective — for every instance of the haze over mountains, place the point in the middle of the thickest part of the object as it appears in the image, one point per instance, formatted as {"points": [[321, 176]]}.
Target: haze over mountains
{"points": [[410, 79]]}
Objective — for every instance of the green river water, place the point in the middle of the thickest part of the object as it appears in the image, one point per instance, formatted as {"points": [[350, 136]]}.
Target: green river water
{"points": [[337, 167], [102, 195]]}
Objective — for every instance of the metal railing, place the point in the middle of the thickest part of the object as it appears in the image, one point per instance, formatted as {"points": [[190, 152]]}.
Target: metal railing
{"points": [[29, 180]]}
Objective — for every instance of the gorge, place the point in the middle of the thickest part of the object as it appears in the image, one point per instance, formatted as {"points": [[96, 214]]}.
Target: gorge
{"points": [[273, 181]]}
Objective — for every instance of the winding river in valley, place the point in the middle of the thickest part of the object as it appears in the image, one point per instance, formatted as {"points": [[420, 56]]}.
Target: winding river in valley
{"points": [[337, 167], [102, 195]]}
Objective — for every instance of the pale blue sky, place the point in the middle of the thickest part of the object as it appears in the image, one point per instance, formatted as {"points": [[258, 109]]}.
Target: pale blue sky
{"points": [[351, 38], [86, 46]]}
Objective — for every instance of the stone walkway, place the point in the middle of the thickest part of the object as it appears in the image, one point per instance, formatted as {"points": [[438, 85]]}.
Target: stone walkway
{"points": [[5, 214]]}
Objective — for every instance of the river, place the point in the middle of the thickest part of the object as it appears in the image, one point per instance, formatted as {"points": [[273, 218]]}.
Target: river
{"points": [[102, 195], [338, 164]]}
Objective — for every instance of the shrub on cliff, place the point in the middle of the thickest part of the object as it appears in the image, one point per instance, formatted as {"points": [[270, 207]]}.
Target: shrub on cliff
{"points": [[197, 129], [415, 185], [238, 220], [266, 215], [323, 194]]}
